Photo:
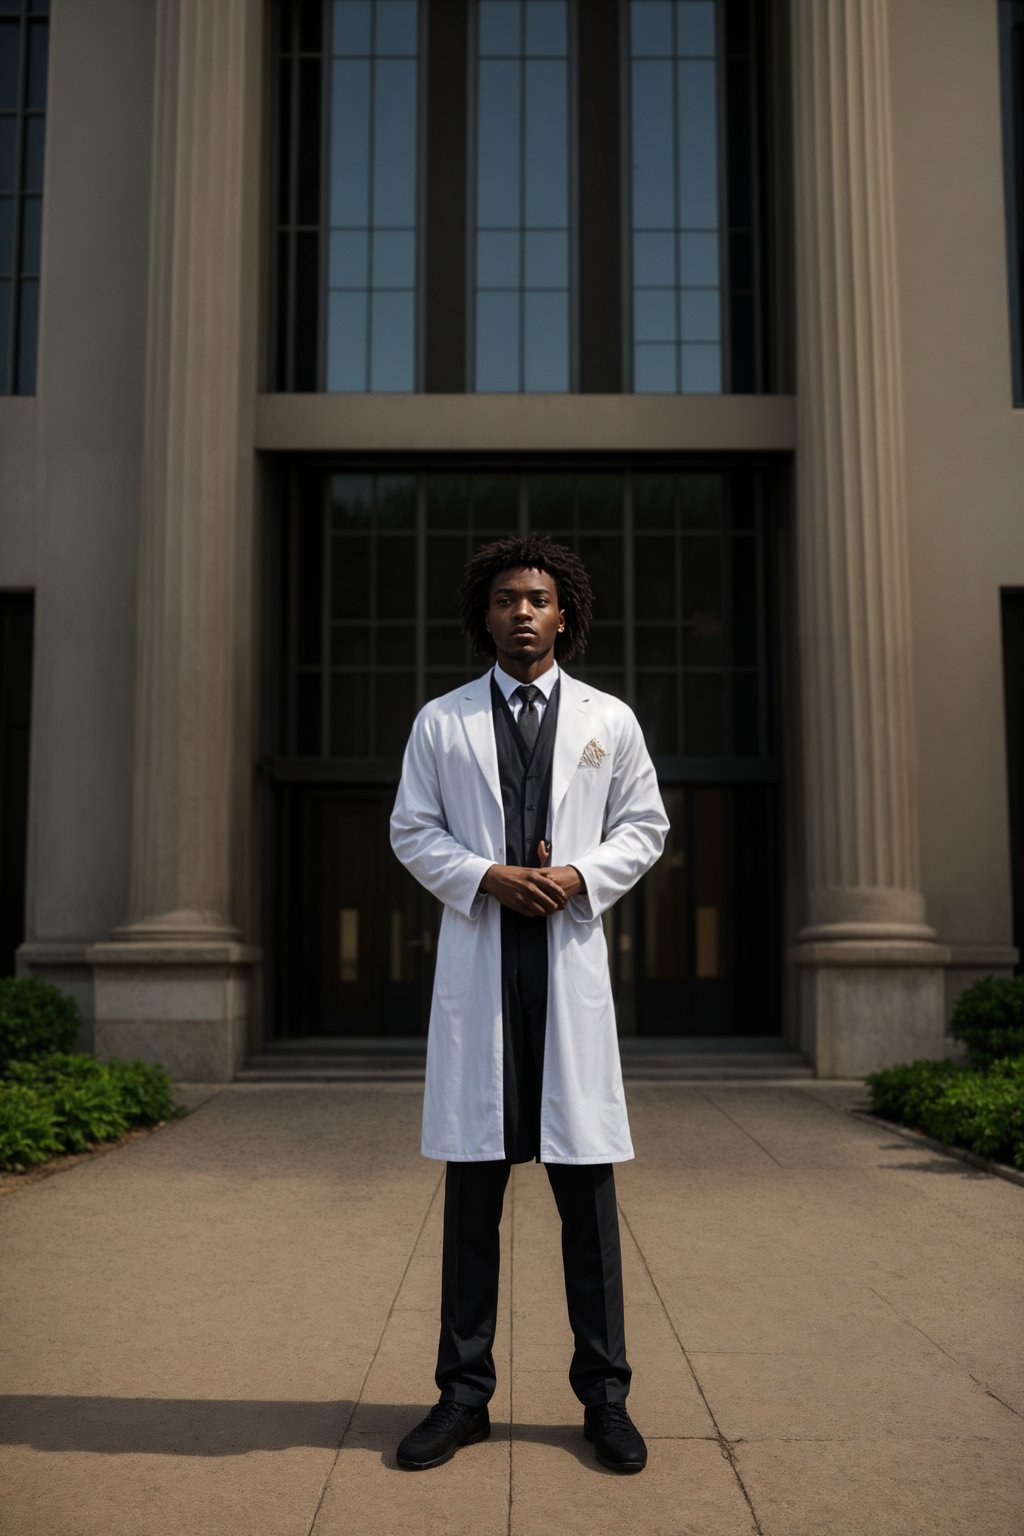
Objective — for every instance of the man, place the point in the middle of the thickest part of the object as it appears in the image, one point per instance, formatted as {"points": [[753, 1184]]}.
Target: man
{"points": [[528, 804]]}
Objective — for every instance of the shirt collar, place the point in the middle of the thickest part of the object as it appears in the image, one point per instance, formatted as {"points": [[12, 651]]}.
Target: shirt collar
{"points": [[508, 685]]}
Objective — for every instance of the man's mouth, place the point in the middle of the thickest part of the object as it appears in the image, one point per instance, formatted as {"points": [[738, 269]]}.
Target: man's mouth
{"points": [[523, 634]]}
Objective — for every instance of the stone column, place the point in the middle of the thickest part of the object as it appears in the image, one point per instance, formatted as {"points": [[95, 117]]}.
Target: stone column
{"points": [[172, 982], [871, 983]]}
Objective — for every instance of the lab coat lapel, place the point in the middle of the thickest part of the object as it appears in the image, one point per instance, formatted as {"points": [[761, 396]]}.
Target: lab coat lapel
{"points": [[571, 735], [477, 720]]}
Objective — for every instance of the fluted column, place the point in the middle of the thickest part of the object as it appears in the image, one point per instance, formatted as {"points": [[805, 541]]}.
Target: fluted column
{"points": [[864, 903], [854, 594], [174, 983], [197, 467]]}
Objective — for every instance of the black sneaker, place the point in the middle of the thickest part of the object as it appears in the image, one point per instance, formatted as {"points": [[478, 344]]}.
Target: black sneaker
{"points": [[618, 1442], [447, 1426]]}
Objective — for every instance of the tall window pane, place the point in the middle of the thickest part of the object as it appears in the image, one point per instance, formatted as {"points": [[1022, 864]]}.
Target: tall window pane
{"points": [[24, 41], [485, 195], [676, 215], [521, 289], [372, 198]]}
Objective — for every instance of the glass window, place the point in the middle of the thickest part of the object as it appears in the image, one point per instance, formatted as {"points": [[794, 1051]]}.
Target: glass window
{"points": [[372, 196], [24, 47], [675, 213], [570, 224], [521, 195], [679, 568]]}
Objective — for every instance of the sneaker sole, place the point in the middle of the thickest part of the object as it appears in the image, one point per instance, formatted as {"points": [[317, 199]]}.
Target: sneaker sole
{"points": [[439, 1461]]}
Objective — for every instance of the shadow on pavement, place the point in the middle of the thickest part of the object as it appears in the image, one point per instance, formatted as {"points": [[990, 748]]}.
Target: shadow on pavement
{"points": [[168, 1426], [229, 1427]]}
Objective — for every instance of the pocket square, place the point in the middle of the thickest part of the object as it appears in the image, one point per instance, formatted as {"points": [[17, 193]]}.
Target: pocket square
{"points": [[592, 754]]}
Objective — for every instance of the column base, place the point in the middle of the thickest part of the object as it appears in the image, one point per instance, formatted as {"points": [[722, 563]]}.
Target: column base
{"points": [[186, 926], [869, 1004], [184, 1005]]}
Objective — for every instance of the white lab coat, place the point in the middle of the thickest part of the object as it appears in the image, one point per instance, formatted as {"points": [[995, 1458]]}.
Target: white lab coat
{"points": [[448, 828]]}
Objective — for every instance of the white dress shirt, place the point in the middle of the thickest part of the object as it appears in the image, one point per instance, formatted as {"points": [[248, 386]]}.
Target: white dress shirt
{"points": [[508, 686]]}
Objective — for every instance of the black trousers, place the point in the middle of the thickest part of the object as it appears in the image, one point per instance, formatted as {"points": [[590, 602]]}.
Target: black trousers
{"points": [[473, 1198]]}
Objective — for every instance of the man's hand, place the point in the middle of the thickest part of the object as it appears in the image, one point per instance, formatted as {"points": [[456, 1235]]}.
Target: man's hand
{"points": [[568, 876], [533, 892]]}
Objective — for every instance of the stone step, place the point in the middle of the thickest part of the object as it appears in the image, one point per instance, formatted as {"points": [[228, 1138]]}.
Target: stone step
{"points": [[406, 1065]]}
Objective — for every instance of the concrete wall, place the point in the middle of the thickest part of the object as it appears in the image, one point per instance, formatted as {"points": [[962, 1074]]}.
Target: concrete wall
{"points": [[965, 453], [69, 466]]}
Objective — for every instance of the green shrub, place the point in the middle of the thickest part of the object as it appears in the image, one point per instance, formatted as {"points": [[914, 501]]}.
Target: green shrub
{"points": [[980, 1111], [28, 1126], [35, 1017], [984, 1112], [1008, 1066], [145, 1090], [902, 1093], [989, 1018], [86, 1101]]}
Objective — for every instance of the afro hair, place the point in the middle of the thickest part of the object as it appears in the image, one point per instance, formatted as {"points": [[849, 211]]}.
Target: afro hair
{"points": [[534, 553]]}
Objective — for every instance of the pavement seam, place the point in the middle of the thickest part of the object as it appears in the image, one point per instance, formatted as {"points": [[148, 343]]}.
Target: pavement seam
{"points": [[373, 1359], [909, 1323], [707, 1098], [724, 1445]]}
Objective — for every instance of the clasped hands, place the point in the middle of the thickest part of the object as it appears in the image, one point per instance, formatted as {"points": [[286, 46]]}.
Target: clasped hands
{"points": [[533, 892]]}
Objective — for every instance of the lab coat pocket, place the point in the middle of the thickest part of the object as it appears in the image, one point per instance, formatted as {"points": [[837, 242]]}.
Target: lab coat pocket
{"points": [[588, 961], [454, 974]]}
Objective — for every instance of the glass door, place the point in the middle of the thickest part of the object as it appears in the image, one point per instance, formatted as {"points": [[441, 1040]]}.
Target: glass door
{"points": [[360, 933]]}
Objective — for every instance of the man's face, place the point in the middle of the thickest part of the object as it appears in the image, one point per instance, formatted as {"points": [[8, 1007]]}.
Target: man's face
{"points": [[523, 616]]}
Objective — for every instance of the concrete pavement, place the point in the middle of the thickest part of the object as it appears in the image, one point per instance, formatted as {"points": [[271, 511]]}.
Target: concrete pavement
{"points": [[224, 1328]]}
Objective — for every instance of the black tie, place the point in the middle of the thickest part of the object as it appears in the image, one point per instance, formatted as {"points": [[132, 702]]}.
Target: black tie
{"points": [[529, 717]]}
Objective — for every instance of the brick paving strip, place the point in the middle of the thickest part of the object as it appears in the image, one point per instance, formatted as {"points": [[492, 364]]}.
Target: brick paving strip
{"points": [[226, 1326]]}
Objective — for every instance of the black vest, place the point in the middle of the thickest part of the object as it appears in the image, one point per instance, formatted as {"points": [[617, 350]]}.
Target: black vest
{"points": [[525, 778]]}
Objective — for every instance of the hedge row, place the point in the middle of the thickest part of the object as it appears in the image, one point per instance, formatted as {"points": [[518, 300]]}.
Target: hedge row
{"points": [[981, 1111], [53, 1100], [62, 1103]]}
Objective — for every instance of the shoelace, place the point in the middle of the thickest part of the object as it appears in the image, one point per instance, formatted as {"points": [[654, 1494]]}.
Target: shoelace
{"points": [[442, 1415], [614, 1419]]}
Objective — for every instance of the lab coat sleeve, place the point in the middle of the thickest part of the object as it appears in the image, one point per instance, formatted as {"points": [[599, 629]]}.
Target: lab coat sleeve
{"points": [[635, 828], [419, 828]]}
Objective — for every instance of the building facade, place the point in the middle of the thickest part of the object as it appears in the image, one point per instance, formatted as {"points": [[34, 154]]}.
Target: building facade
{"points": [[304, 299]]}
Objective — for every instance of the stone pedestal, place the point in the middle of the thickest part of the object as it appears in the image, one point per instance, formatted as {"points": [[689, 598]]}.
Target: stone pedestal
{"points": [[867, 1005], [171, 985], [184, 1005], [871, 974]]}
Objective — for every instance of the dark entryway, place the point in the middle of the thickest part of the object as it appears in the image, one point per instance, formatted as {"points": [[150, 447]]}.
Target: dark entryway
{"points": [[356, 940], [370, 559]]}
